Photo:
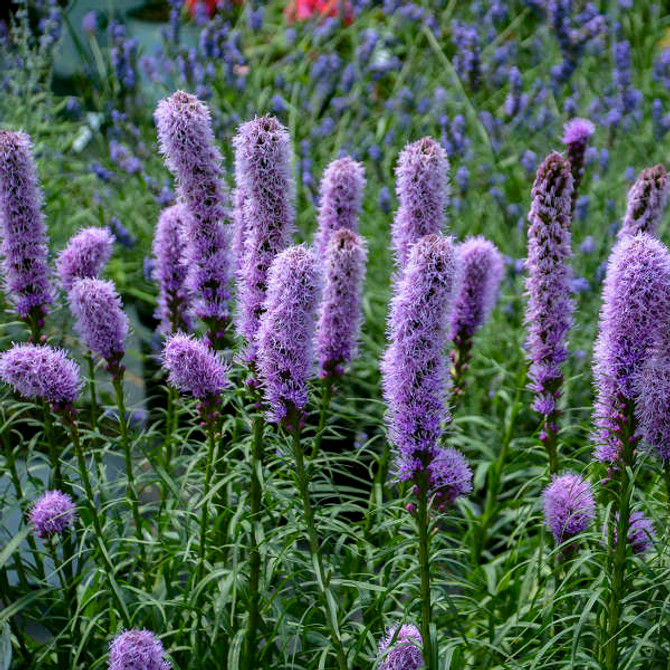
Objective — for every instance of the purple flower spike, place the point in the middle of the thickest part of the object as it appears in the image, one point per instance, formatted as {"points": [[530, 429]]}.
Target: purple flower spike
{"points": [[100, 319], [286, 331], [137, 650], [187, 142], [53, 514], [449, 477], [41, 373], [263, 166], [170, 270], [422, 187], [340, 195], [569, 506], [401, 648], [24, 235], [414, 367], [340, 317], [635, 311], [576, 135], [641, 533], [549, 308], [647, 200], [85, 255], [193, 367]]}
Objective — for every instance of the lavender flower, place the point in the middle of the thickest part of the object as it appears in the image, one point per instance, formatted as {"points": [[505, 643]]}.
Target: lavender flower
{"points": [[414, 369], [449, 477], [641, 533], [53, 514], [263, 165], [340, 194], [636, 309], [41, 373], [549, 308], [576, 136], [137, 650], [100, 319], [647, 200], [85, 255], [24, 235], [569, 506], [340, 312], [187, 142], [170, 270], [286, 331], [422, 187], [401, 648], [193, 367]]}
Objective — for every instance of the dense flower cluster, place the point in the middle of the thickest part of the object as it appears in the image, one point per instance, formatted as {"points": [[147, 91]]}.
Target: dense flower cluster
{"points": [[449, 477], [569, 506], [85, 255], [576, 135], [53, 514], [647, 200], [137, 650], [401, 648]]}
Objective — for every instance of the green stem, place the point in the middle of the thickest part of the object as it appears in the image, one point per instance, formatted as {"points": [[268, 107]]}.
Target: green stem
{"points": [[204, 518], [91, 389], [315, 549], [58, 479], [551, 441], [460, 363], [326, 397], [424, 571], [170, 422]]}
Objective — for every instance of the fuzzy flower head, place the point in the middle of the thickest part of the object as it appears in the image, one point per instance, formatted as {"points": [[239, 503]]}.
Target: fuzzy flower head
{"points": [[641, 533], [422, 187], [576, 135], [340, 195], [286, 331], [85, 255], [100, 319], [578, 131], [401, 648], [24, 235], [41, 373], [449, 477], [193, 367], [414, 368], [647, 200], [340, 312], [137, 650], [481, 273], [267, 193], [569, 506], [53, 514], [549, 308]]}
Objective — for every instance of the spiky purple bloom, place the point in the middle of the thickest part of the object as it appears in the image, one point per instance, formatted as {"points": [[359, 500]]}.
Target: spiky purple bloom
{"points": [[263, 164], [576, 135], [286, 331], [340, 195], [187, 142], [449, 477], [569, 506], [636, 309], [549, 307], [641, 533], [85, 255], [422, 187], [137, 650], [647, 200], [53, 513], [414, 367], [193, 367], [41, 373], [340, 310], [401, 648], [170, 269], [99, 317], [24, 235]]}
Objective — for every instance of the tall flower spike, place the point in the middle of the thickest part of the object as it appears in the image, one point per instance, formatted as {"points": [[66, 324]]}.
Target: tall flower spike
{"points": [[422, 187], [41, 373], [187, 142], [647, 200], [137, 650], [576, 135], [100, 319], [239, 224], [549, 307], [286, 331], [24, 235], [569, 506], [340, 196], [263, 155], [53, 514], [414, 367], [635, 312], [85, 255], [401, 648], [340, 311], [170, 269]]}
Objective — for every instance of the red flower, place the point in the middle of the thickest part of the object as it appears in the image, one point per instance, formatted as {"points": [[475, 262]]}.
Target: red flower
{"points": [[303, 10]]}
